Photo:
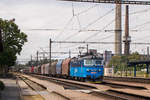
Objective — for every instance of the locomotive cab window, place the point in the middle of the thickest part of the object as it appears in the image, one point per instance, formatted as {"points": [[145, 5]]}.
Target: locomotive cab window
{"points": [[88, 62], [98, 62], [75, 64]]}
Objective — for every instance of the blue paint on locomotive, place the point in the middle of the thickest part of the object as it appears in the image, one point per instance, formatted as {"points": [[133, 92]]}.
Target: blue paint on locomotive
{"points": [[87, 68]]}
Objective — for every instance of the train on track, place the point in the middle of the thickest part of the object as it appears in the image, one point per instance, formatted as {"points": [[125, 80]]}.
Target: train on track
{"points": [[86, 68]]}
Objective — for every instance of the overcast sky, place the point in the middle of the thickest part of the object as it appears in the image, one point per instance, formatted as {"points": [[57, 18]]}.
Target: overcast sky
{"points": [[52, 14]]}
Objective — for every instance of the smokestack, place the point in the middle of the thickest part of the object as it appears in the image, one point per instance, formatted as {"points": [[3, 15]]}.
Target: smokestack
{"points": [[118, 34], [127, 38]]}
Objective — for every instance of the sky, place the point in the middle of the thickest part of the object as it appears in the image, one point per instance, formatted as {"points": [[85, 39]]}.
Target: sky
{"points": [[69, 18]]}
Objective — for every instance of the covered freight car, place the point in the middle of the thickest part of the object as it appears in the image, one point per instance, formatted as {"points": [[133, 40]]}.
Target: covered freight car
{"points": [[66, 67], [53, 68], [43, 69], [39, 69], [46, 70], [31, 69], [58, 67]]}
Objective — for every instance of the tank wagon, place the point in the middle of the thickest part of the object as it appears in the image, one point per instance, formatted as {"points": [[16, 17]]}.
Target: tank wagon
{"points": [[82, 68]]}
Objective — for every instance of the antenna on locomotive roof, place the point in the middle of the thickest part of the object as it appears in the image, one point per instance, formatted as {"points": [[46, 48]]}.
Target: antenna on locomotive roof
{"points": [[87, 49]]}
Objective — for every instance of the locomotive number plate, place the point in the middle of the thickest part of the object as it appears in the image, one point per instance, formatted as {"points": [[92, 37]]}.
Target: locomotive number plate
{"points": [[93, 72]]}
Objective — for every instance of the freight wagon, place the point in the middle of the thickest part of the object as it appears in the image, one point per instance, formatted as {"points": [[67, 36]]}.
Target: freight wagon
{"points": [[58, 68], [66, 68]]}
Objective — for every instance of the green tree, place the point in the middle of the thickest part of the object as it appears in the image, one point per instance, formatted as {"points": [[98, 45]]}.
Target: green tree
{"points": [[135, 56], [120, 62], [13, 41]]}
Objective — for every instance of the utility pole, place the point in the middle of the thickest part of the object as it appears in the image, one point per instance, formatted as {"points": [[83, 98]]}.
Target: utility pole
{"points": [[1, 44], [87, 49], [69, 54], [43, 55], [31, 60], [127, 38], [37, 55], [147, 51], [50, 48]]}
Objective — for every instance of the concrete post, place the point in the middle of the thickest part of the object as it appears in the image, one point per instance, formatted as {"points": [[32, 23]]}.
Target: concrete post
{"points": [[147, 69], [134, 70]]}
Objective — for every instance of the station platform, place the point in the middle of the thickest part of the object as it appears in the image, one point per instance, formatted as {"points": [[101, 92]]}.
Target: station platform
{"points": [[27, 93], [11, 91]]}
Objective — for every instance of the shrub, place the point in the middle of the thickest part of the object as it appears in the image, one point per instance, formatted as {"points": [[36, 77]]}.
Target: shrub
{"points": [[2, 86]]}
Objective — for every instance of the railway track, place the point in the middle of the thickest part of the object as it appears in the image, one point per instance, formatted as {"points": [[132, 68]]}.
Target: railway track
{"points": [[129, 79], [65, 84], [110, 94], [33, 85], [126, 96], [106, 83], [41, 90], [123, 86]]}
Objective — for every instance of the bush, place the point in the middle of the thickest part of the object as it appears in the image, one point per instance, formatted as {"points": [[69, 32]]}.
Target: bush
{"points": [[2, 86]]}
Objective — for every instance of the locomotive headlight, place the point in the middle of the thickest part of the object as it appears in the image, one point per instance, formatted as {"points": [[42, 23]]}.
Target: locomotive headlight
{"points": [[99, 70]]}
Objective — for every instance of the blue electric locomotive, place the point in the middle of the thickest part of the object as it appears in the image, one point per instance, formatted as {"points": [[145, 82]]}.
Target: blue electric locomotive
{"points": [[87, 68]]}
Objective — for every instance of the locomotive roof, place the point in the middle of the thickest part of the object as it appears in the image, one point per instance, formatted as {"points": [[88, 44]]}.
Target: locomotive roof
{"points": [[88, 57]]}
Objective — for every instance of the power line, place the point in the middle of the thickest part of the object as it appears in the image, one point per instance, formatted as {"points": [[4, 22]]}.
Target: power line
{"points": [[140, 11], [59, 52], [56, 29], [95, 34], [91, 23], [86, 10], [102, 30], [99, 18], [123, 30], [83, 42], [141, 24], [65, 27]]}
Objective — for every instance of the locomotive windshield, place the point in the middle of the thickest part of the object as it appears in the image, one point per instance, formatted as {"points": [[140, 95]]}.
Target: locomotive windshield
{"points": [[88, 62], [98, 62], [92, 62]]}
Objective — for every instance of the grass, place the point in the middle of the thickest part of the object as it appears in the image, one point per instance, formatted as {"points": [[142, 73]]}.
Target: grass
{"points": [[138, 74]]}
